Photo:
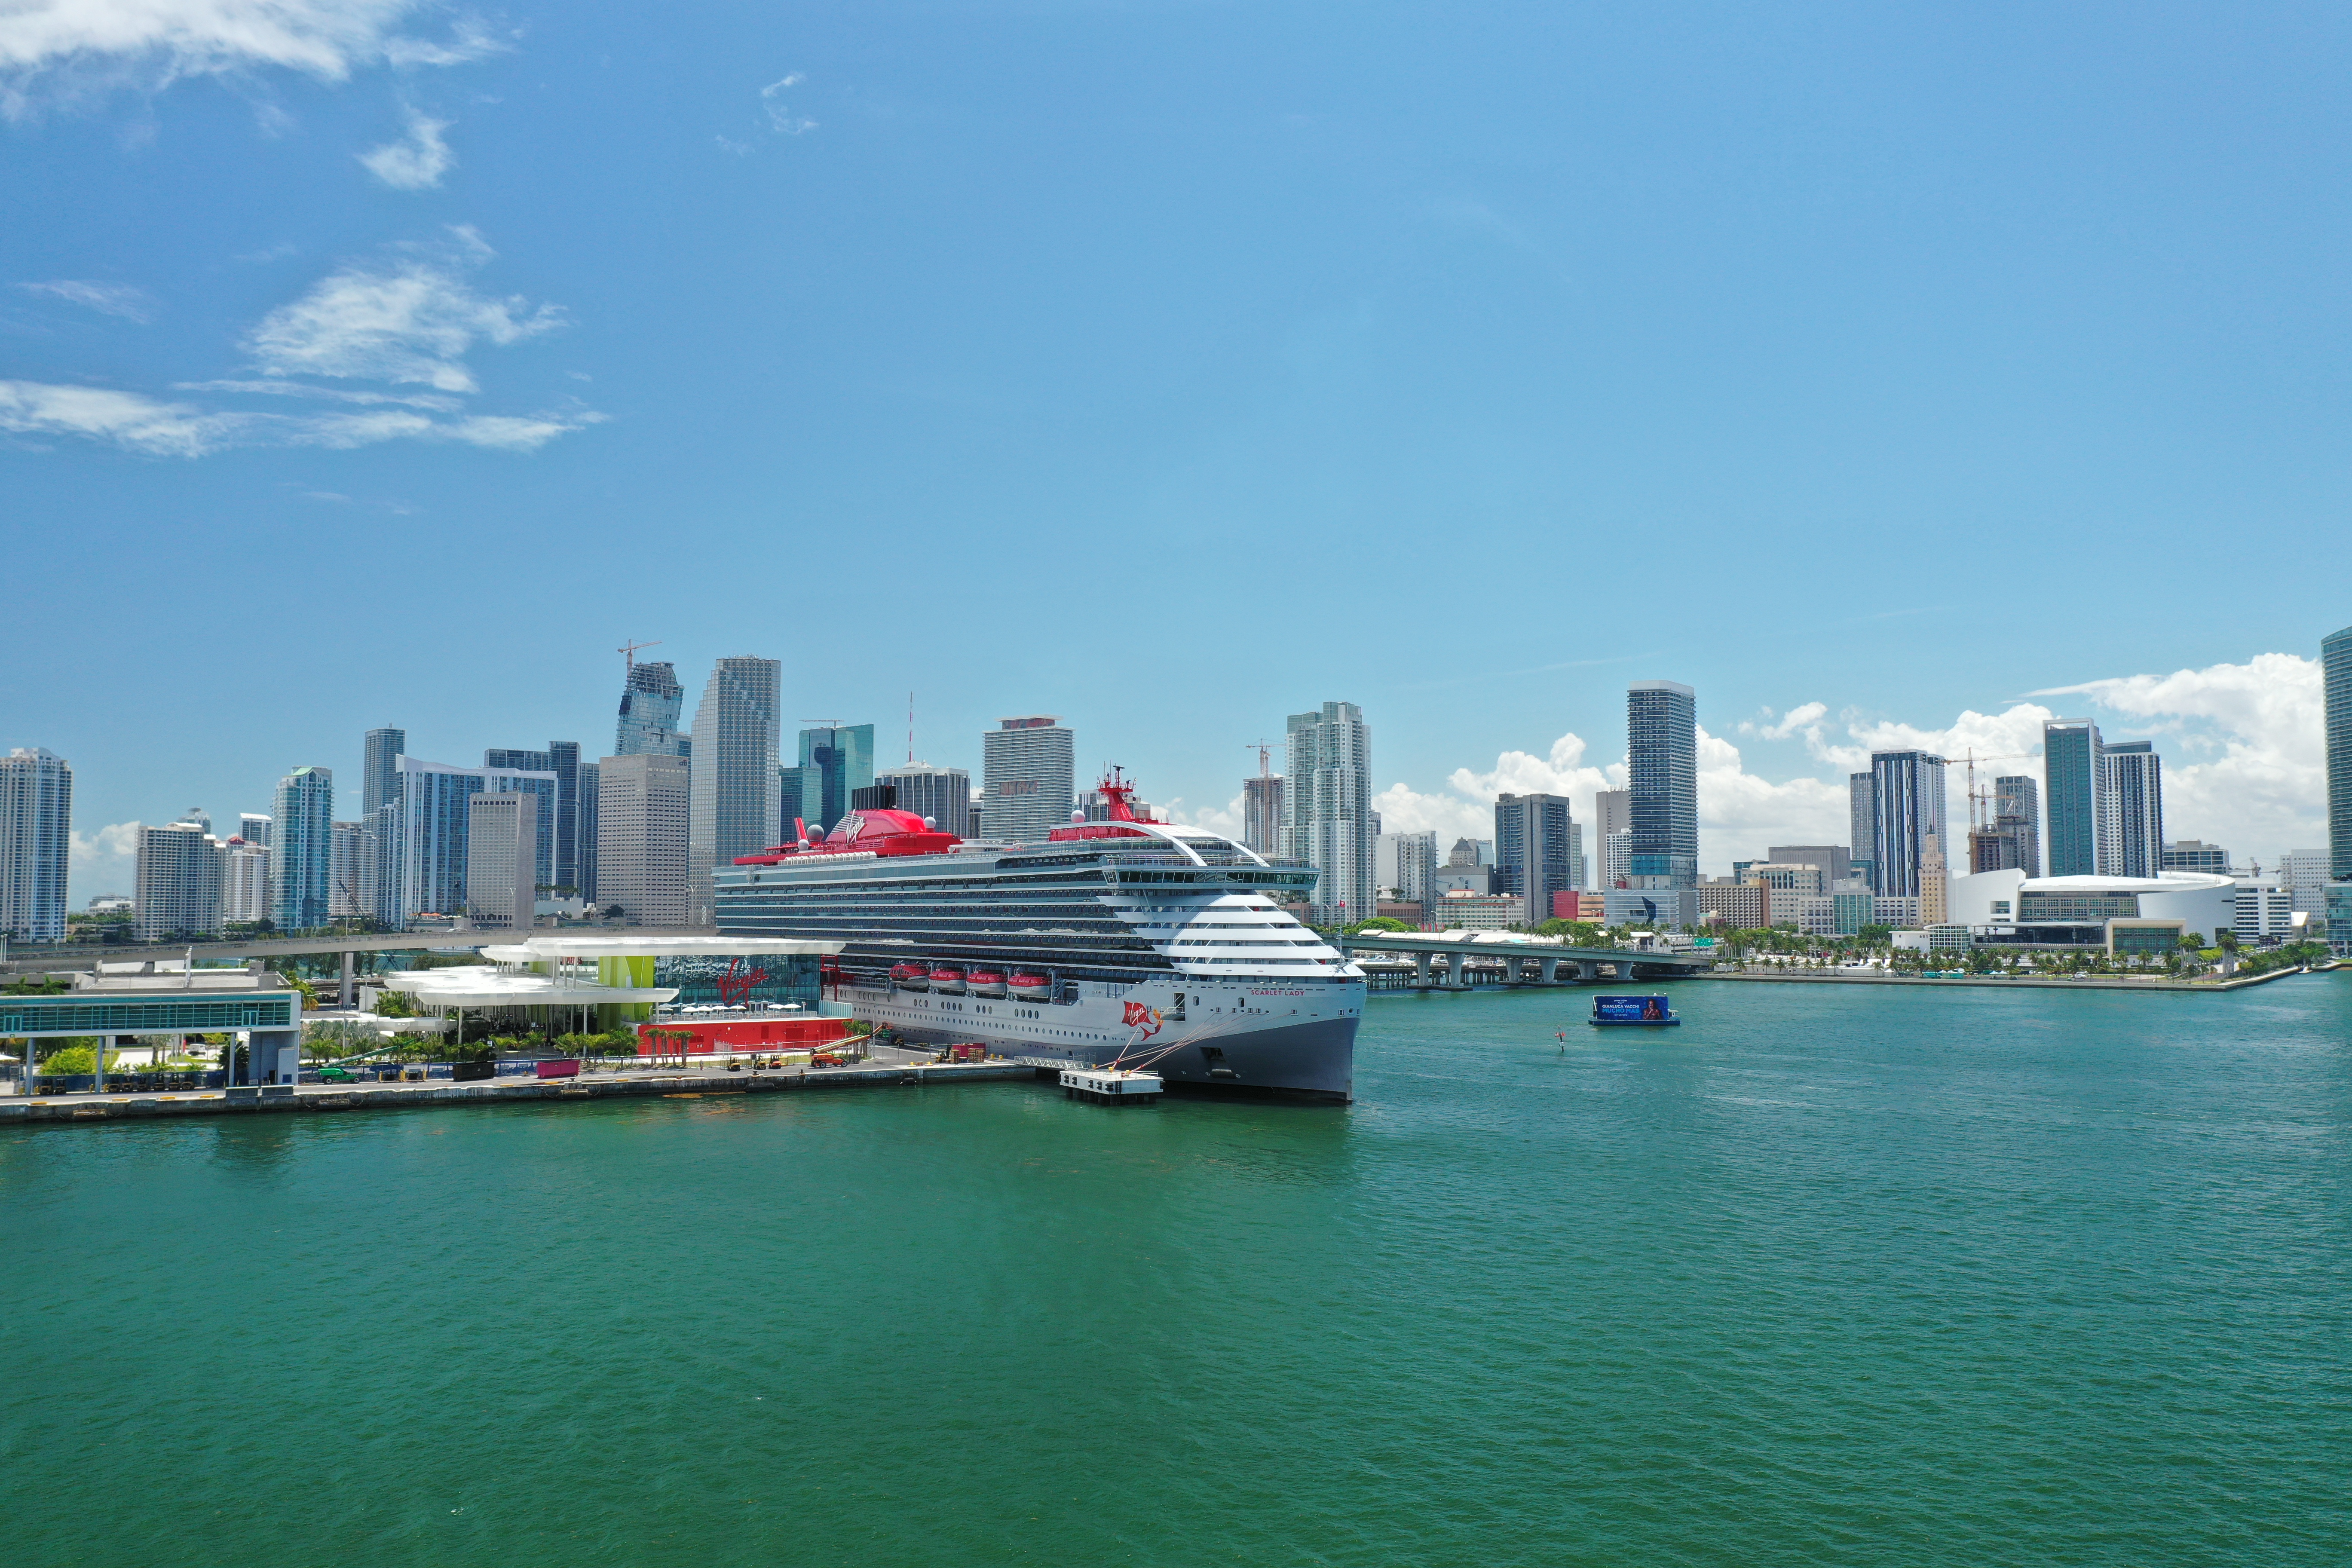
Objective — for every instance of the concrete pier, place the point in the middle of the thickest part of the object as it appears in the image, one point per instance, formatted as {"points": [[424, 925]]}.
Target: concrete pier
{"points": [[84, 1109]]}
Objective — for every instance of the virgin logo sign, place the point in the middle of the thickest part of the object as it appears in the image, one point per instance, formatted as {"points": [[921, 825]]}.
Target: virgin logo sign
{"points": [[1143, 1017], [735, 986]]}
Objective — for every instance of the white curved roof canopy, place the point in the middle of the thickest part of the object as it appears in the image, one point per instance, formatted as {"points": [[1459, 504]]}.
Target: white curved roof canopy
{"points": [[482, 985], [545, 949]]}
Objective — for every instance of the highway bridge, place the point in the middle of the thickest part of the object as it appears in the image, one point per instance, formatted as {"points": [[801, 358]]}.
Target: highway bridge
{"points": [[1443, 962], [83, 955]]}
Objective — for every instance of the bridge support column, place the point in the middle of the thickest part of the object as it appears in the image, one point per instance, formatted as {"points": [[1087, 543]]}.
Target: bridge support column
{"points": [[1588, 970], [1420, 969], [1550, 971]]}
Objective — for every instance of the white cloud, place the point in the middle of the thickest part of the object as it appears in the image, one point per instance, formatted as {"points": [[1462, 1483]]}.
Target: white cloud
{"points": [[112, 299], [408, 319], [1804, 719], [2243, 747], [1468, 812], [154, 428], [1225, 819], [780, 119], [127, 420], [106, 861], [58, 49], [1741, 814], [417, 161], [438, 402]]}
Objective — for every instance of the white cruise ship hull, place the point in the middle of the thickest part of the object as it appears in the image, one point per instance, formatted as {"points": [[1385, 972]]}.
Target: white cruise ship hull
{"points": [[1225, 1036]]}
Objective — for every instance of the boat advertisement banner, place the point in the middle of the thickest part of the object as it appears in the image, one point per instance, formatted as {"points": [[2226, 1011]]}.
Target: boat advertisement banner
{"points": [[1630, 1009]]}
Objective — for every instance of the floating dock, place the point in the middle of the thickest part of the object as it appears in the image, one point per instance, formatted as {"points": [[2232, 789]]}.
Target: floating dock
{"points": [[1112, 1086]]}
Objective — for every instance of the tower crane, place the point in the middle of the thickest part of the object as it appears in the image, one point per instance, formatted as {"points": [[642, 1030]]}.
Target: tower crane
{"points": [[1265, 750], [628, 651]]}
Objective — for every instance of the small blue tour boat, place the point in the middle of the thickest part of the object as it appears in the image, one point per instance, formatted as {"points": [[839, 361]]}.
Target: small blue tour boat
{"points": [[1631, 1013]]}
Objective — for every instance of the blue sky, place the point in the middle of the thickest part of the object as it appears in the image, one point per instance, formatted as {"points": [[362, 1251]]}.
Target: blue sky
{"points": [[1175, 367]]}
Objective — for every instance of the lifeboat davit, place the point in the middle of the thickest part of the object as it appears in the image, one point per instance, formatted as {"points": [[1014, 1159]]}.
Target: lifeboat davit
{"points": [[910, 976], [987, 982], [947, 978], [1032, 986]]}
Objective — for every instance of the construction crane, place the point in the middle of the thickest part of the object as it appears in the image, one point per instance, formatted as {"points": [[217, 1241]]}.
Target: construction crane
{"points": [[1265, 750], [1978, 816], [629, 651]]}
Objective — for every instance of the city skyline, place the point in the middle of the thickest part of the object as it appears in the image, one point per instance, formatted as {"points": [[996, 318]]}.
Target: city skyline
{"points": [[2231, 771]]}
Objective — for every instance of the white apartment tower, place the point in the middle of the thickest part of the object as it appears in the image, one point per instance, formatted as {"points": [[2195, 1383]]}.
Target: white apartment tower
{"points": [[179, 891], [1327, 811], [35, 841]]}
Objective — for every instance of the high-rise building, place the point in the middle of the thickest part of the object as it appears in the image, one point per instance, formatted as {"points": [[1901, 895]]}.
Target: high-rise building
{"points": [[1326, 812], [1028, 778], [584, 865], [384, 884], [254, 828], [1834, 861], [650, 700], [2074, 778], [1906, 790], [351, 872], [178, 886], [2017, 812], [2335, 685], [558, 853], [1262, 812], [501, 845], [1861, 824], [2196, 854], [836, 759], [642, 813], [1935, 883], [36, 843], [732, 785], [302, 861], [1662, 777], [1408, 861], [942, 794], [434, 820], [1535, 851], [1613, 835], [2135, 810], [380, 769], [2303, 873], [246, 886]]}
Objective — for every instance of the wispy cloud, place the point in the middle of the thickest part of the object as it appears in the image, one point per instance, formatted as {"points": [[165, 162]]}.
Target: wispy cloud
{"points": [[55, 51], [406, 319], [155, 428], [417, 161], [410, 318], [110, 299], [780, 118]]}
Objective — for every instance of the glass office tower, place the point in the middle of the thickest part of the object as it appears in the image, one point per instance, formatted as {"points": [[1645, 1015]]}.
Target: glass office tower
{"points": [[1662, 782]]}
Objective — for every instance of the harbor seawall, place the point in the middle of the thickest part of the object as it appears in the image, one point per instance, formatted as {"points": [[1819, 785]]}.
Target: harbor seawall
{"points": [[84, 1109]]}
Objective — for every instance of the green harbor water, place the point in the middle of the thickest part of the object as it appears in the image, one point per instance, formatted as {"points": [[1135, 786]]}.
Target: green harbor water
{"points": [[1830, 1275]]}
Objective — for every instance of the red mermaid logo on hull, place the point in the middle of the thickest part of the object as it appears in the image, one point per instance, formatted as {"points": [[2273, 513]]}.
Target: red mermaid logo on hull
{"points": [[1143, 1017]]}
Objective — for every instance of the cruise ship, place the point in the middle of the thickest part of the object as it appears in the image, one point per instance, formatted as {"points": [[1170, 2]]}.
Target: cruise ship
{"points": [[1122, 940]]}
